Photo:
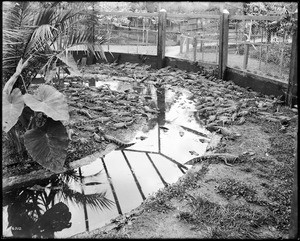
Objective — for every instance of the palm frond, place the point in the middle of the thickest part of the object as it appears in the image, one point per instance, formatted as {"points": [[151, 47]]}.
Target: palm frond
{"points": [[68, 59], [16, 18], [69, 175], [46, 16], [18, 15], [44, 35], [97, 200], [39, 40]]}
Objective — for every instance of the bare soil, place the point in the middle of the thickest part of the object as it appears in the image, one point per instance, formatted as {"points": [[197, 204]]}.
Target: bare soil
{"points": [[251, 198]]}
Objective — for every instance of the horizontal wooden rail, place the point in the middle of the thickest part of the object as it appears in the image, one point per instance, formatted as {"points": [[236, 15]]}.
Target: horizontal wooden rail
{"points": [[252, 43], [132, 30], [207, 39], [199, 38], [191, 16], [249, 17], [129, 14]]}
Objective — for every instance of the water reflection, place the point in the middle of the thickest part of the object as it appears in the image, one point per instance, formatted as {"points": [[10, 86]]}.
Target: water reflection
{"points": [[40, 210], [77, 201], [161, 104]]}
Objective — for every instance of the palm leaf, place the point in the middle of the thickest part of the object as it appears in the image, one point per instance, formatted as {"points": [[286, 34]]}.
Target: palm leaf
{"points": [[39, 35], [15, 32], [96, 200]]}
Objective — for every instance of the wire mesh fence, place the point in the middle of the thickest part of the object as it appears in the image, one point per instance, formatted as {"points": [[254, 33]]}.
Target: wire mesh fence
{"points": [[195, 38], [131, 34], [254, 46]]}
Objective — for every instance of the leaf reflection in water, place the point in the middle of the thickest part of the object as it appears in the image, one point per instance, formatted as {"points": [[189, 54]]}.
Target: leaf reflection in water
{"points": [[96, 200], [38, 210]]}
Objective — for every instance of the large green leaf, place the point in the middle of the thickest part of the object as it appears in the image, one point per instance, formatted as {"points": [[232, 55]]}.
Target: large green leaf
{"points": [[55, 219], [49, 101], [12, 105], [48, 145]]}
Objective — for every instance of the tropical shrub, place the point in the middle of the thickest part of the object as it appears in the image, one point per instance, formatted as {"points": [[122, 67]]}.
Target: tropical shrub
{"points": [[274, 54], [37, 40]]}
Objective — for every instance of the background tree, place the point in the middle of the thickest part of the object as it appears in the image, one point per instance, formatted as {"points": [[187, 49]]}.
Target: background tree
{"points": [[283, 27]]}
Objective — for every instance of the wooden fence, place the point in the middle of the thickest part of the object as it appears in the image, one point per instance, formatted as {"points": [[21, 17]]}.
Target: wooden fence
{"points": [[221, 41]]}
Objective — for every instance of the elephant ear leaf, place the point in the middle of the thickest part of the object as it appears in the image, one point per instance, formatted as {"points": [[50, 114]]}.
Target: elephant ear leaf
{"points": [[13, 105], [49, 101], [48, 145], [55, 219]]}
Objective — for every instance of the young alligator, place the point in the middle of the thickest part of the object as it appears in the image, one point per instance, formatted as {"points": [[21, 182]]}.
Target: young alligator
{"points": [[223, 156], [110, 139]]}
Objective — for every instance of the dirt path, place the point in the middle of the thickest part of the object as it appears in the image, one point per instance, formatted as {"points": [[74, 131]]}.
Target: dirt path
{"points": [[250, 199]]}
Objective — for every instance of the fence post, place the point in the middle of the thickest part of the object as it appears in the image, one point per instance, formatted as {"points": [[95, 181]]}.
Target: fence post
{"points": [[161, 43], [293, 76], [294, 223], [223, 43], [292, 91], [246, 55], [195, 47], [181, 43], [188, 43]]}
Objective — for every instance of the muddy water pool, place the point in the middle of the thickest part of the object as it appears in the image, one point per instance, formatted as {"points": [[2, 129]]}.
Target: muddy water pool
{"points": [[90, 196]]}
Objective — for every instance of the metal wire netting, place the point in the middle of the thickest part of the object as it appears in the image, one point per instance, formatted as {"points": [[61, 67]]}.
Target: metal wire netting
{"points": [[131, 34], [195, 38], [253, 45], [256, 47]]}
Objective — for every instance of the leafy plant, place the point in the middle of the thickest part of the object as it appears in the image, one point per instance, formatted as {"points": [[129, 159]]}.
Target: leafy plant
{"points": [[45, 137], [40, 210], [38, 38]]}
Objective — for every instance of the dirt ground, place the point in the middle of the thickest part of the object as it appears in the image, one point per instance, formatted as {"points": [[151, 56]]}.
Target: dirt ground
{"points": [[251, 198]]}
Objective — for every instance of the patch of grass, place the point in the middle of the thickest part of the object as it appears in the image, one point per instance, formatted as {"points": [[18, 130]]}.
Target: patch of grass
{"points": [[240, 222], [283, 147], [279, 191], [230, 221], [230, 187], [177, 190]]}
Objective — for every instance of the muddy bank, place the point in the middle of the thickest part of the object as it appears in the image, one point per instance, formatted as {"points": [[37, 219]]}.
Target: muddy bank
{"points": [[241, 188], [250, 198]]}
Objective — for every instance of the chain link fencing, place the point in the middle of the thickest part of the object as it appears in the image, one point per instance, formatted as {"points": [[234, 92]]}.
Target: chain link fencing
{"points": [[195, 38], [131, 34], [257, 47]]}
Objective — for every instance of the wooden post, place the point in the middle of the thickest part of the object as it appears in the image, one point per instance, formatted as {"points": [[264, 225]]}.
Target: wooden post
{"points": [[202, 48], [281, 62], [161, 44], [195, 47], [217, 47], [223, 43], [147, 36], [143, 38], [181, 43], [260, 53], [294, 223], [246, 56], [293, 76], [267, 56], [187, 43]]}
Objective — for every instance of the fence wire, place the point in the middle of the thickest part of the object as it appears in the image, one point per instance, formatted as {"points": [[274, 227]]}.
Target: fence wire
{"points": [[195, 39], [136, 35], [256, 47]]}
